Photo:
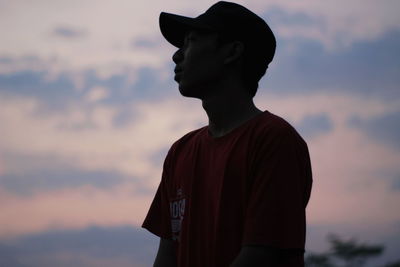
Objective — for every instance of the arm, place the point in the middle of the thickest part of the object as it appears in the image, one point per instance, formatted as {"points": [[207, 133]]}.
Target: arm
{"points": [[256, 256], [166, 254]]}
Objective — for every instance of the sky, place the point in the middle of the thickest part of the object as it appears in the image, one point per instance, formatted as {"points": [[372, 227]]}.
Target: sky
{"points": [[89, 109]]}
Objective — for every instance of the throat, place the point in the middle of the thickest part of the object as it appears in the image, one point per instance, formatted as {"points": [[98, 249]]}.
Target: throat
{"points": [[222, 122]]}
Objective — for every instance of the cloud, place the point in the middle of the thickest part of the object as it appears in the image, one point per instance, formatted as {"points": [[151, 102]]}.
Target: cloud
{"points": [[42, 180], [313, 125], [88, 138], [146, 42], [113, 169], [396, 182], [72, 208], [300, 66], [278, 16], [370, 68], [97, 93], [124, 117], [68, 32], [336, 24], [383, 129], [92, 246], [13, 64], [57, 91], [150, 84], [53, 93]]}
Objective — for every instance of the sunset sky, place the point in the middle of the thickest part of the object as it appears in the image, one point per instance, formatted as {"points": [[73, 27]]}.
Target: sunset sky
{"points": [[89, 109]]}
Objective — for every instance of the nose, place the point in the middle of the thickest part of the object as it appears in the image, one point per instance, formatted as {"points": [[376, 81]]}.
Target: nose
{"points": [[177, 56]]}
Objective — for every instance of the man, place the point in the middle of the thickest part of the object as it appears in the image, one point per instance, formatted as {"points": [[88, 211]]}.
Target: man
{"points": [[232, 193]]}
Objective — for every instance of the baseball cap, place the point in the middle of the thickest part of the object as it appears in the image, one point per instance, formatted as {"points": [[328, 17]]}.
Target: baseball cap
{"points": [[232, 20]]}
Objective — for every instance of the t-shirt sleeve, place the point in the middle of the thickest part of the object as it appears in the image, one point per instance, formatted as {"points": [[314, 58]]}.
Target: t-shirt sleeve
{"points": [[279, 191], [158, 219]]}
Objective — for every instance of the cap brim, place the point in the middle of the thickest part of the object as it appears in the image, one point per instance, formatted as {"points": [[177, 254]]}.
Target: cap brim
{"points": [[174, 27]]}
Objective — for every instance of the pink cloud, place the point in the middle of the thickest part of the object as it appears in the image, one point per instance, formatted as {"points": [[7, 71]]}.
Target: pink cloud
{"points": [[71, 209]]}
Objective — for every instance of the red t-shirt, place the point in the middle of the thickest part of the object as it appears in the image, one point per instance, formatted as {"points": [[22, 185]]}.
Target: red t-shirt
{"points": [[248, 187]]}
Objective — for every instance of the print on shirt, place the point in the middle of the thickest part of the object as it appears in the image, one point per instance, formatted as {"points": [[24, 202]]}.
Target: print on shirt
{"points": [[177, 210]]}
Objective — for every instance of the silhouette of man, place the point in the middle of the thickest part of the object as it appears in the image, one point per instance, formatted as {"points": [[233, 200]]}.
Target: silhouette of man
{"points": [[232, 193]]}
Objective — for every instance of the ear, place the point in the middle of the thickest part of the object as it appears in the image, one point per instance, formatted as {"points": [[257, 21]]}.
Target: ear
{"points": [[234, 51]]}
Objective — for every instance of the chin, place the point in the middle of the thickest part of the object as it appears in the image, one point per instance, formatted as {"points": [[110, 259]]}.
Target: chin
{"points": [[189, 91], [185, 92]]}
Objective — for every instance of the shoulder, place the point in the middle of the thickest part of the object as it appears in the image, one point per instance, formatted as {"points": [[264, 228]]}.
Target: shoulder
{"points": [[191, 136], [273, 134], [188, 139], [273, 126]]}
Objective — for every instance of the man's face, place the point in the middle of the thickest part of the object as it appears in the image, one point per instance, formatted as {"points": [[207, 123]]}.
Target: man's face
{"points": [[199, 64]]}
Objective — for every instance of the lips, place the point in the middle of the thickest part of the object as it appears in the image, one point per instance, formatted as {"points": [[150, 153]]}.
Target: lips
{"points": [[178, 72]]}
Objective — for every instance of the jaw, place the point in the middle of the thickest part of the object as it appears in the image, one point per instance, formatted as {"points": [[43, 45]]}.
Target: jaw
{"points": [[202, 91], [199, 86], [189, 91]]}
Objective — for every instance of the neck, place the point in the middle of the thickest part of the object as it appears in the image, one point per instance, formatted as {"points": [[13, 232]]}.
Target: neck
{"points": [[227, 113]]}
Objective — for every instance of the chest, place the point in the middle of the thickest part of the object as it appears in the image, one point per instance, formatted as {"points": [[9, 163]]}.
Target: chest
{"points": [[211, 176]]}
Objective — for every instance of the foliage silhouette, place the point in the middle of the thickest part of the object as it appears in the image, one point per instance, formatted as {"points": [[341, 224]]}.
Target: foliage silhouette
{"points": [[346, 253], [393, 264]]}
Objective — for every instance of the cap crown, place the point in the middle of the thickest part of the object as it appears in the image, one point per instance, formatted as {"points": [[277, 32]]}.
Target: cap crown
{"points": [[239, 23]]}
